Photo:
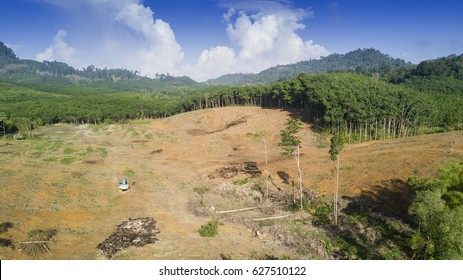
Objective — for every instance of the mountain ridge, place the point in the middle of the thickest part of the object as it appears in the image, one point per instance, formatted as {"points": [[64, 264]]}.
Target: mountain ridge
{"points": [[359, 60], [14, 69]]}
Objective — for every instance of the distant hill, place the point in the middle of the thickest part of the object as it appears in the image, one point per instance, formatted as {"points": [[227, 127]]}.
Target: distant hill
{"points": [[361, 60], [13, 69]]}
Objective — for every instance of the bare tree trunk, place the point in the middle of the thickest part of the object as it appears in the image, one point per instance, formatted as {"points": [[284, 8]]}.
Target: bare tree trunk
{"points": [[384, 130], [350, 131], [299, 174], [266, 166], [335, 205], [271, 218], [238, 210]]}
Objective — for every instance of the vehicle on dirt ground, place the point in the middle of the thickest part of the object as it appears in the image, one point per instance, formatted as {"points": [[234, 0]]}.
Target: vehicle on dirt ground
{"points": [[123, 185]]}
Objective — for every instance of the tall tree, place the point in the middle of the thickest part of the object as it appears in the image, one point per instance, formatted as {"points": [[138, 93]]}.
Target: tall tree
{"points": [[437, 211], [336, 145], [291, 144], [3, 119], [24, 125]]}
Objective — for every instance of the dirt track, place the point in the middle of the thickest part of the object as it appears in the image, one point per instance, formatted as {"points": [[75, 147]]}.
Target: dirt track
{"points": [[68, 180]]}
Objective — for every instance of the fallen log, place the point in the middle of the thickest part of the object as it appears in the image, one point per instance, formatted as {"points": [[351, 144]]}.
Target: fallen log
{"points": [[237, 210], [271, 218], [46, 248]]}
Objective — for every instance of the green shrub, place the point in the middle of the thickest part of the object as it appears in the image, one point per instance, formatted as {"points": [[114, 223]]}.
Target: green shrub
{"points": [[226, 257], [103, 152], [69, 150], [241, 182], [209, 229], [290, 206], [129, 172], [89, 150], [67, 160], [322, 213]]}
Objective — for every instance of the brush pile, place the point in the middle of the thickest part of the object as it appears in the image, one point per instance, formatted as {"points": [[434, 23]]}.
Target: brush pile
{"points": [[36, 243], [133, 232]]}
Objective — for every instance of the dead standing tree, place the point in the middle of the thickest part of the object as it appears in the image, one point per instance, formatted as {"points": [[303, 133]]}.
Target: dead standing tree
{"points": [[291, 144]]}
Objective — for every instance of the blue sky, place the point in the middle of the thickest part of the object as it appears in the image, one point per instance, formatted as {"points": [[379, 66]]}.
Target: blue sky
{"points": [[208, 38]]}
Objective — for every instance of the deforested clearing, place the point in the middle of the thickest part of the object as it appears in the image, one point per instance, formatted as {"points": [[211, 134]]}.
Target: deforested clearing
{"points": [[67, 180]]}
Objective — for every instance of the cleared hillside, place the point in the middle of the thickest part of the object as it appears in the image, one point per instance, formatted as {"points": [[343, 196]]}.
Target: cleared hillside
{"points": [[67, 180]]}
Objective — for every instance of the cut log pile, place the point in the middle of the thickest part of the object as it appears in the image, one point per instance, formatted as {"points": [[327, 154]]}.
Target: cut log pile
{"points": [[133, 232]]}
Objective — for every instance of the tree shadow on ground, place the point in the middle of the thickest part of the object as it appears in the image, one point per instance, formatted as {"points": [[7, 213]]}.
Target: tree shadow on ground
{"points": [[284, 177], [4, 227], [5, 242], [389, 199], [374, 224], [304, 115]]}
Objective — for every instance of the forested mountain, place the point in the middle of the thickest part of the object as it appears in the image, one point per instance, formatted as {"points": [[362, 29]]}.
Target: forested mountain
{"points": [[6, 54], [13, 69], [360, 61]]}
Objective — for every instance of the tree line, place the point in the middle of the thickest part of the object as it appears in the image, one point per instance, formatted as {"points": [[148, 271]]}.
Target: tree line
{"points": [[360, 108]]}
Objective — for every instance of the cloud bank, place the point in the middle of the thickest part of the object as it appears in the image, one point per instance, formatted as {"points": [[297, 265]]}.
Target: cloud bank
{"points": [[261, 34]]}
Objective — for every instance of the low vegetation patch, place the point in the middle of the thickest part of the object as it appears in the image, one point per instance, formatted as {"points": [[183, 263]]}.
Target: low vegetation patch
{"points": [[67, 160], [209, 229], [202, 190], [103, 152], [129, 172]]}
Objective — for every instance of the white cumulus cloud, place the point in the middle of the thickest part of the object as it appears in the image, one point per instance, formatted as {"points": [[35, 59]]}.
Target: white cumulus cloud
{"points": [[263, 39], [59, 51], [227, 16], [123, 34], [212, 63], [161, 51]]}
